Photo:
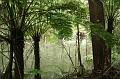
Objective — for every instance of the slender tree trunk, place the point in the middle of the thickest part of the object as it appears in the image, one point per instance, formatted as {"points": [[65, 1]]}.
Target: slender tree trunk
{"points": [[18, 46], [8, 72], [36, 39], [78, 39], [79, 54], [98, 44]]}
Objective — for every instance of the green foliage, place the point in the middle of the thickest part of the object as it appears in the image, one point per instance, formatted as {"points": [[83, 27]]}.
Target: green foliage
{"points": [[98, 30], [62, 24], [112, 8], [53, 16], [115, 59], [116, 48]]}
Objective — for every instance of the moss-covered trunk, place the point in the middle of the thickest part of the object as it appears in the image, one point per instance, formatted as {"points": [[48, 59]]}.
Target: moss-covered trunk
{"points": [[36, 39], [18, 46]]}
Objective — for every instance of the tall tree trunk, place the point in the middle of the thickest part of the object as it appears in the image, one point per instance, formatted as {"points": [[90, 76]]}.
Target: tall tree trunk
{"points": [[97, 16], [18, 46], [36, 39], [8, 72]]}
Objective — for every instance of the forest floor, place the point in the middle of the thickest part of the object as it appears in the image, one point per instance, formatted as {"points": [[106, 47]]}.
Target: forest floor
{"points": [[114, 73]]}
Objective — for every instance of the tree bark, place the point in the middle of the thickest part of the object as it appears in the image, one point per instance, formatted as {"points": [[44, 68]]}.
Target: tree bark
{"points": [[18, 48], [97, 16], [36, 39]]}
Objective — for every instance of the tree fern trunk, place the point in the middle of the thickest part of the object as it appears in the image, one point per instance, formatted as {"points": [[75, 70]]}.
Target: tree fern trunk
{"points": [[18, 45], [36, 40], [108, 48]]}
